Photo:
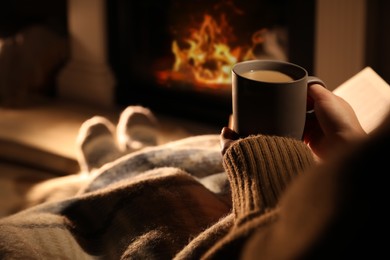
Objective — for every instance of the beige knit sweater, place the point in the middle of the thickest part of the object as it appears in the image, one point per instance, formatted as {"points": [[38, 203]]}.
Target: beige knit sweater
{"points": [[259, 170]]}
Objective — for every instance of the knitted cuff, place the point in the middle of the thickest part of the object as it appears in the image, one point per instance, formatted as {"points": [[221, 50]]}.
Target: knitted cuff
{"points": [[259, 169]]}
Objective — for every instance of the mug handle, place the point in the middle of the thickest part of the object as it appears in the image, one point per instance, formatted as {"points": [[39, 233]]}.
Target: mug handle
{"points": [[313, 80]]}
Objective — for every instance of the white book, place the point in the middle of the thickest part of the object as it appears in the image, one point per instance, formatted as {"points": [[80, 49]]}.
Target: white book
{"points": [[369, 96]]}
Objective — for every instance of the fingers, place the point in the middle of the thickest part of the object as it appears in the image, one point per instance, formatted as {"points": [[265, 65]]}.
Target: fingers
{"points": [[315, 93], [228, 133], [318, 92], [227, 138]]}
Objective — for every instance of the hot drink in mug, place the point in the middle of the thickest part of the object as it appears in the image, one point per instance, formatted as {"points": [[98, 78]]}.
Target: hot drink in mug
{"points": [[267, 76], [269, 97]]}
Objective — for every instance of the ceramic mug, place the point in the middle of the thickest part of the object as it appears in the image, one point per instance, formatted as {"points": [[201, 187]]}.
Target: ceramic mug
{"points": [[270, 97]]}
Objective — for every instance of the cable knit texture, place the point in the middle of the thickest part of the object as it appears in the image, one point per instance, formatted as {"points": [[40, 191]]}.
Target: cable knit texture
{"points": [[265, 164], [256, 186]]}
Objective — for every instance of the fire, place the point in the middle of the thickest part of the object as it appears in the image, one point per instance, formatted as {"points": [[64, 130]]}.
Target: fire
{"points": [[208, 58], [205, 59]]}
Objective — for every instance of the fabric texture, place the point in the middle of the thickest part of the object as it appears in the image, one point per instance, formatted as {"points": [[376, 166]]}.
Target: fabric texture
{"points": [[148, 204], [145, 204], [265, 199]]}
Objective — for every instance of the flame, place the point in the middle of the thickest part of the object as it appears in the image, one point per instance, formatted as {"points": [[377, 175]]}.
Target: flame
{"points": [[205, 59], [208, 58]]}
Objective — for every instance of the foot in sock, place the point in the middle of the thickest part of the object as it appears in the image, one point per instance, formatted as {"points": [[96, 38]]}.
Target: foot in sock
{"points": [[136, 129], [96, 144]]}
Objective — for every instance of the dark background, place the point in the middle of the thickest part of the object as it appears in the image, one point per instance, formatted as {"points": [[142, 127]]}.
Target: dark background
{"points": [[140, 17], [141, 33]]}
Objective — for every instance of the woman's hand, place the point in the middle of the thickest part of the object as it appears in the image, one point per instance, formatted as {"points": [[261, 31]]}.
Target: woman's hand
{"points": [[333, 123], [227, 138]]}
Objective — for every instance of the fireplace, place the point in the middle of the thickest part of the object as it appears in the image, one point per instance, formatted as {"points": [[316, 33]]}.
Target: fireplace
{"points": [[175, 56]]}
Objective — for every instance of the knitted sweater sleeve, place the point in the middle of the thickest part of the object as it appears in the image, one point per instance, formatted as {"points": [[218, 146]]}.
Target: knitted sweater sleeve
{"points": [[259, 169]]}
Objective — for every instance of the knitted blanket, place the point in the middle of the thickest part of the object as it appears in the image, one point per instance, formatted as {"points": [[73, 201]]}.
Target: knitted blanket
{"points": [[148, 205]]}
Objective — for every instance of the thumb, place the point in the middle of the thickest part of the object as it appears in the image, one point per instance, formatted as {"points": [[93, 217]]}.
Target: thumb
{"points": [[316, 93]]}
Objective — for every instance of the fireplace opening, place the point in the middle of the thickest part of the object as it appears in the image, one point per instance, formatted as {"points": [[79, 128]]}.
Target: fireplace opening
{"points": [[175, 57]]}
